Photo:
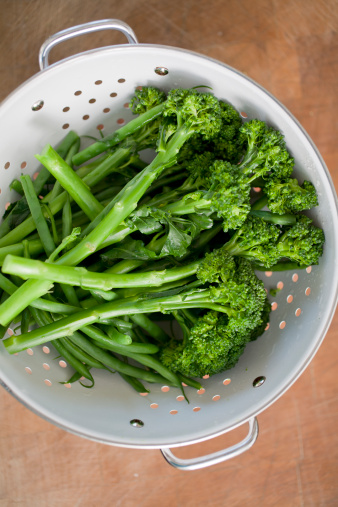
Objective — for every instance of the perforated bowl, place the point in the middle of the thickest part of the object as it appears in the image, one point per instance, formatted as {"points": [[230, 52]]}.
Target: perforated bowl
{"points": [[91, 91]]}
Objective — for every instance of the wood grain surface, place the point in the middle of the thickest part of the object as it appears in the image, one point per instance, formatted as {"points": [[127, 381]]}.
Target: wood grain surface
{"points": [[290, 47]]}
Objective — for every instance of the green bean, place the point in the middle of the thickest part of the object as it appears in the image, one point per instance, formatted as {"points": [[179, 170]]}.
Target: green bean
{"points": [[26, 251], [37, 215], [43, 318], [135, 383], [50, 217], [73, 361], [117, 336], [153, 329], [134, 348], [70, 294], [16, 186], [155, 364], [189, 381], [67, 224], [81, 354], [9, 237], [74, 378], [25, 319], [113, 362], [40, 303], [3, 331], [57, 188]]}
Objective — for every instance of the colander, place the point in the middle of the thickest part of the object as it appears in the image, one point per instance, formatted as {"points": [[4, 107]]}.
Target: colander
{"points": [[90, 92]]}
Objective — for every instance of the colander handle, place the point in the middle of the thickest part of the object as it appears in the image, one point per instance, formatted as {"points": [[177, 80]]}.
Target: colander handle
{"points": [[217, 457], [74, 31]]}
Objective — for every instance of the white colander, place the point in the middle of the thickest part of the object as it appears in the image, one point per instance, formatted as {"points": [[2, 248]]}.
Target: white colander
{"points": [[91, 91]]}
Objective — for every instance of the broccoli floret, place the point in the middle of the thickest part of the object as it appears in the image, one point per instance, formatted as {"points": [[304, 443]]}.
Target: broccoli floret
{"points": [[228, 195], [265, 318], [200, 168], [266, 152], [266, 244], [227, 189], [230, 143], [302, 243], [210, 348], [197, 113], [255, 240], [216, 267], [146, 98], [186, 113], [287, 196], [213, 342]]}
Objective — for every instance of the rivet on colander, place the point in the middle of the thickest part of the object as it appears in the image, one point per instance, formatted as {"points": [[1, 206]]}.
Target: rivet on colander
{"points": [[161, 71], [259, 381], [137, 423], [37, 105]]}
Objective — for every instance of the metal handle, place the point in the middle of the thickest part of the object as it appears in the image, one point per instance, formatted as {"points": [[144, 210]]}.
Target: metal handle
{"points": [[217, 457], [74, 31]]}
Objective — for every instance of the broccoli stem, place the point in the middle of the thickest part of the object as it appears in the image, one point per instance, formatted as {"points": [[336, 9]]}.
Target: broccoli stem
{"points": [[275, 218], [63, 149], [73, 276], [119, 135], [27, 226], [57, 189], [109, 220], [67, 325], [42, 304], [281, 266], [39, 182], [67, 144], [135, 188], [260, 203], [186, 207], [70, 181]]}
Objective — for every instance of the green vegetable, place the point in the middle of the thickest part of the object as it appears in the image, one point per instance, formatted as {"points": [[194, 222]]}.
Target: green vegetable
{"points": [[287, 196], [214, 342], [119, 253]]}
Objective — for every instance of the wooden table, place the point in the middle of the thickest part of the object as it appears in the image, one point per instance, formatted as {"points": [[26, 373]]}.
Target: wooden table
{"points": [[290, 47]]}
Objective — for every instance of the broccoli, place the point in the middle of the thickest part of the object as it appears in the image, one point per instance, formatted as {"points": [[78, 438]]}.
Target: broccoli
{"points": [[255, 240], [205, 161], [189, 113], [197, 170], [227, 187], [198, 154], [266, 152], [214, 341], [266, 244], [230, 143], [208, 347], [145, 99], [228, 196], [287, 196], [302, 243]]}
